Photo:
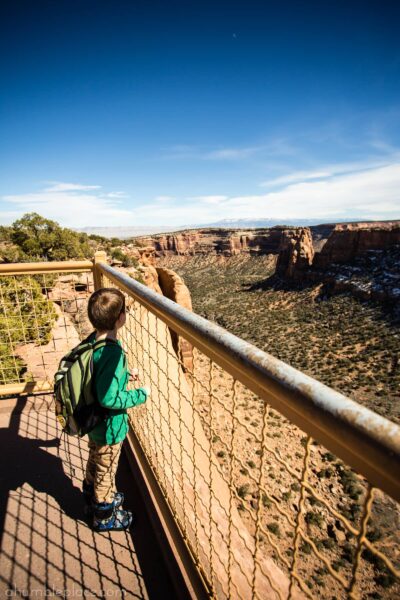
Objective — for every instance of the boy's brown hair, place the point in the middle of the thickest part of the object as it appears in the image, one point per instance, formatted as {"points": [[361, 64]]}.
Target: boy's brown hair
{"points": [[104, 308]]}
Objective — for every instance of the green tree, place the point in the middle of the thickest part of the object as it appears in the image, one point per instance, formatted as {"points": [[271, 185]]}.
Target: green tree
{"points": [[25, 316], [43, 239], [127, 261], [5, 233]]}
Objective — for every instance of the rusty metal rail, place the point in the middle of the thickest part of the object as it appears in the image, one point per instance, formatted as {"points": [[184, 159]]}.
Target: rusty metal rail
{"points": [[360, 437]]}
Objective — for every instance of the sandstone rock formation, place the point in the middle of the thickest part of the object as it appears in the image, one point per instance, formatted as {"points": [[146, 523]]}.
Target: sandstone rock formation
{"points": [[345, 243], [296, 253], [225, 242], [330, 243], [147, 256], [173, 287], [71, 292], [150, 277], [350, 240]]}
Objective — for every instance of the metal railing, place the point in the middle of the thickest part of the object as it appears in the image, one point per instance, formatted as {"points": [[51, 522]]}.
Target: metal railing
{"points": [[267, 472]]}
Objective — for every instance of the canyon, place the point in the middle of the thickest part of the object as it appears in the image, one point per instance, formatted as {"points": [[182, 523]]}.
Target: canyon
{"points": [[300, 247], [302, 255]]}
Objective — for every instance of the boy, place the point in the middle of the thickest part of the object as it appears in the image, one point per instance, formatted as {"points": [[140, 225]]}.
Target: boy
{"points": [[106, 311]]}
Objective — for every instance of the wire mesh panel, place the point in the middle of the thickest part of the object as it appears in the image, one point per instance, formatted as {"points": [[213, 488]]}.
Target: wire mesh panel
{"points": [[266, 510], [41, 317]]}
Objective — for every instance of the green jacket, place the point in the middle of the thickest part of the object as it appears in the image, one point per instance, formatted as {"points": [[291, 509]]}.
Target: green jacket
{"points": [[110, 378]]}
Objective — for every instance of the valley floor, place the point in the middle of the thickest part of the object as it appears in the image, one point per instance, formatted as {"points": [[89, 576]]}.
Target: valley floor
{"points": [[348, 344]]}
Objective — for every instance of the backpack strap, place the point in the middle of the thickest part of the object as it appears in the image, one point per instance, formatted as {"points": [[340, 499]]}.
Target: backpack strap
{"points": [[104, 412], [102, 343]]}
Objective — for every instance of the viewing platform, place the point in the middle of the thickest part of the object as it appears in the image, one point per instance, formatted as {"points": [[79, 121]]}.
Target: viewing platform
{"points": [[247, 478]]}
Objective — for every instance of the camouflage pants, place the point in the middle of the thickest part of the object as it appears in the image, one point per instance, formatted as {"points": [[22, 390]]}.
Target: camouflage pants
{"points": [[101, 469]]}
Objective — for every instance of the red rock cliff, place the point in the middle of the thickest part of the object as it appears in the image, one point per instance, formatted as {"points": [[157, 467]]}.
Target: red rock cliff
{"points": [[349, 240], [226, 242]]}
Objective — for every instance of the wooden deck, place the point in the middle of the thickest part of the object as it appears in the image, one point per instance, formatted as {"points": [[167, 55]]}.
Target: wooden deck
{"points": [[47, 547]]}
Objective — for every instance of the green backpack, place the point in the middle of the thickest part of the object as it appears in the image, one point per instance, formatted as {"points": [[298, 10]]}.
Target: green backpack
{"points": [[77, 409]]}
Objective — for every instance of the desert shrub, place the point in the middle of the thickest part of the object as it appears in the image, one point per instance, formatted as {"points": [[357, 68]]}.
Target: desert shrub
{"points": [[127, 261], [266, 502], [314, 518], [306, 548], [243, 490], [274, 528]]}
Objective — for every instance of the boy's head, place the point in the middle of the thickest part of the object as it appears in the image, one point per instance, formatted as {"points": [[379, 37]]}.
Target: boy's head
{"points": [[105, 308]]}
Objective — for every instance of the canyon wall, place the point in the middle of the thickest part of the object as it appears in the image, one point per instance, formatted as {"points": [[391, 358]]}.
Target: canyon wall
{"points": [[225, 242], [350, 240], [299, 249]]}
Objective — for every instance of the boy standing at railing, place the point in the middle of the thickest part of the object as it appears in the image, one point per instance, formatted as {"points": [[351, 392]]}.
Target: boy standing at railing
{"points": [[106, 311]]}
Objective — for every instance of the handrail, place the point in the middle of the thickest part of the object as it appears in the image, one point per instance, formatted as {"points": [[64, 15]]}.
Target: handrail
{"points": [[366, 441], [72, 266]]}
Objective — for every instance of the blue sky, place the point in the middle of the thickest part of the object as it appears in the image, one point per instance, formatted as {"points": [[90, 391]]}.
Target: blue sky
{"points": [[171, 113]]}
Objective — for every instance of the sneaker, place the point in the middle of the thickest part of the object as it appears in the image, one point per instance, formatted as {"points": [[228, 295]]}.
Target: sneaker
{"points": [[107, 518], [88, 495]]}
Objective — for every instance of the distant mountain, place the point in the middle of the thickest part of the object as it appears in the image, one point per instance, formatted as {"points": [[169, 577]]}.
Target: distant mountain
{"points": [[257, 223], [128, 232], [140, 231]]}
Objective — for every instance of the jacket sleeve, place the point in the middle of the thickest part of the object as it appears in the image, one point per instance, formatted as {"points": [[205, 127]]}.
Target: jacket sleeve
{"points": [[110, 381]]}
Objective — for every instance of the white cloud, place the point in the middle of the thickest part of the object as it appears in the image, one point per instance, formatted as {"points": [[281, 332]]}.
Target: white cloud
{"points": [[371, 192], [367, 194], [59, 186], [327, 171], [116, 195], [296, 176], [72, 205], [361, 194]]}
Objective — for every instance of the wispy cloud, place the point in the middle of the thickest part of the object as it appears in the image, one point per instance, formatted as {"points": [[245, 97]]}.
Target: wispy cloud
{"points": [[365, 190], [116, 195], [295, 177], [330, 170], [372, 193], [59, 186], [71, 204], [270, 148], [231, 153]]}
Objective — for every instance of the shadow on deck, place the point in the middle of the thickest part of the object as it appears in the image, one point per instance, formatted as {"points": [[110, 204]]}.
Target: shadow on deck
{"points": [[47, 547]]}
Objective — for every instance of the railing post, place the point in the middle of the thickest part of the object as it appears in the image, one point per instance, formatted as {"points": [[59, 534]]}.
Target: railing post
{"points": [[99, 257]]}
